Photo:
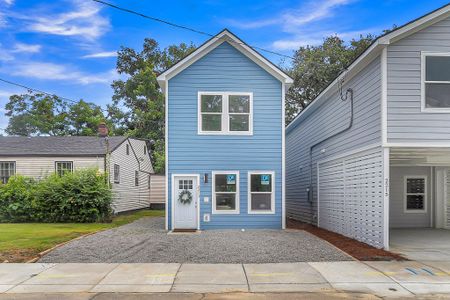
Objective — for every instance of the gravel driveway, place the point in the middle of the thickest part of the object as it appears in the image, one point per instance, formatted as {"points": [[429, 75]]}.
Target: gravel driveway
{"points": [[146, 241]]}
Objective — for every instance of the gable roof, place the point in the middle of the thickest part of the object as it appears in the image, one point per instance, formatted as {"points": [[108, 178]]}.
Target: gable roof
{"points": [[372, 52], [58, 145], [225, 36]]}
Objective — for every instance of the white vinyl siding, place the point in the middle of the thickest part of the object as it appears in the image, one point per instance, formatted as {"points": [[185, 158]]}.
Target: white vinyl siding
{"points": [[42, 166], [126, 195], [227, 113]]}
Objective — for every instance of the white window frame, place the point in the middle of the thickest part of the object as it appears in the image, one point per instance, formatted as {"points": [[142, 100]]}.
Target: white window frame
{"points": [[272, 198], [225, 114], [63, 162], [424, 55], [118, 173], [425, 198], [225, 212], [14, 169]]}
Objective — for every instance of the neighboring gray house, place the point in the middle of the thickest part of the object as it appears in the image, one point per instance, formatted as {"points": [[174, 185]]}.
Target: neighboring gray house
{"points": [[372, 152], [128, 160]]}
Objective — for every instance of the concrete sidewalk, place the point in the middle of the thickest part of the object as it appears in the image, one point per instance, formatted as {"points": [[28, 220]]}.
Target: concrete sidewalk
{"points": [[383, 279]]}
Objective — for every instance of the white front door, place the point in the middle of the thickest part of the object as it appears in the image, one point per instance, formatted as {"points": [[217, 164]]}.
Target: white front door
{"points": [[185, 202]]}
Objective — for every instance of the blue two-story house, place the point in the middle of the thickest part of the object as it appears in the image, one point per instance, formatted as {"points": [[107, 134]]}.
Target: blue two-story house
{"points": [[224, 138]]}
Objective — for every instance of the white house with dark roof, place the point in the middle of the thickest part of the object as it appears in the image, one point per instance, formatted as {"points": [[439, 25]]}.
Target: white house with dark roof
{"points": [[127, 160]]}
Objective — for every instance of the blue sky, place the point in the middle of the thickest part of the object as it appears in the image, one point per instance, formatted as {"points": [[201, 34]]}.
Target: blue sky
{"points": [[68, 47]]}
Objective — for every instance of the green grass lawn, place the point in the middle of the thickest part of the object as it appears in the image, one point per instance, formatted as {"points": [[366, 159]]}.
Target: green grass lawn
{"points": [[21, 242]]}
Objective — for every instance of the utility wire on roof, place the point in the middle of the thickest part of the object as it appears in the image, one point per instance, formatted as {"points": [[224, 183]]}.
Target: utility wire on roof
{"points": [[43, 92], [183, 27]]}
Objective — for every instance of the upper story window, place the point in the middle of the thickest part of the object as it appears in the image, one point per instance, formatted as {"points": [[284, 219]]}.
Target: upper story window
{"points": [[415, 194], [63, 167], [436, 82], [145, 150], [128, 149], [227, 113], [7, 169], [136, 178]]}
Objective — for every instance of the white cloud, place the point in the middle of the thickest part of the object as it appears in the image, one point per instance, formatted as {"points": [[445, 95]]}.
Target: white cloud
{"points": [[7, 2], [27, 48], [83, 21], [101, 54], [52, 71]]}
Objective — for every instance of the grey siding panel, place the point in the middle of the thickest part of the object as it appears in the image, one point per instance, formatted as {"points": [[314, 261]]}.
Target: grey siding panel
{"points": [[127, 196], [40, 167], [329, 118], [397, 217], [157, 189], [143, 156], [448, 198], [406, 123]]}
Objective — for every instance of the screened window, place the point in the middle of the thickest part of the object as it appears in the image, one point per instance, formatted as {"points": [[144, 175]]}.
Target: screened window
{"points": [[225, 192], [261, 192], [63, 167], [116, 173], [437, 81], [127, 149], [415, 194], [225, 113], [136, 178], [7, 169]]}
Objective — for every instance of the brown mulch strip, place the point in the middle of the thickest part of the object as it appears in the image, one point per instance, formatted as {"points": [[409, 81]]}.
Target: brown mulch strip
{"points": [[358, 250], [17, 256]]}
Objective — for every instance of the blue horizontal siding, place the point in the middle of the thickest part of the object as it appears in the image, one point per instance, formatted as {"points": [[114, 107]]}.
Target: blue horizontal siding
{"points": [[226, 69]]}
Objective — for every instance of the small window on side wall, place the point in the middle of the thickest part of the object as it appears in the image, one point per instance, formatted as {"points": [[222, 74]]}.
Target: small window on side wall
{"points": [[436, 82], [415, 194], [63, 167], [225, 192], [261, 193], [116, 173], [7, 169], [136, 178], [128, 149]]}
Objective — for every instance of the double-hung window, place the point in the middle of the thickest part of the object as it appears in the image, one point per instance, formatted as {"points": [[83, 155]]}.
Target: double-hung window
{"points": [[116, 174], [415, 194], [225, 192], [7, 169], [261, 192], [436, 82], [228, 113], [63, 167]]}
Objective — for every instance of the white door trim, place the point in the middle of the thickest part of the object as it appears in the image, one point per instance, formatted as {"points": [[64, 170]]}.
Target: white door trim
{"points": [[172, 206], [440, 184]]}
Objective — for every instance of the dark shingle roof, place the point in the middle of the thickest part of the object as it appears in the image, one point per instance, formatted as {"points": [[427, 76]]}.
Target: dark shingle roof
{"points": [[57, 145]]}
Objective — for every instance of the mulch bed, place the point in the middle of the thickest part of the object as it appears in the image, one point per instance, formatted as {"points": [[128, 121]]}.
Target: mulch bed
{"points": [[358, 250]]}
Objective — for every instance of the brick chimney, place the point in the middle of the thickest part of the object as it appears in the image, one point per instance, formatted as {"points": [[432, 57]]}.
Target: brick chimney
{"points": [[102, 130]]}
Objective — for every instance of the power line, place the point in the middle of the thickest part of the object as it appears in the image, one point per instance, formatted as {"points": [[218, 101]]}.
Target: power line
{"points": [[183, 27], [45, 93]]}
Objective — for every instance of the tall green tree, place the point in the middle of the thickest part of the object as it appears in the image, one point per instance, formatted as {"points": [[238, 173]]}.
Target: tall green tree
{"points": [[40, 114], [138, 101], [314, 67]]}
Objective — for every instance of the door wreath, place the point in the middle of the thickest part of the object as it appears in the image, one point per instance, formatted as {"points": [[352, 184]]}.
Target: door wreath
{"points": [[185, 197]]}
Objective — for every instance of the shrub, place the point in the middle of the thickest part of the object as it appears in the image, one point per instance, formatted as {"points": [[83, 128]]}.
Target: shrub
{"points": [[81, 196], [16, 199]]}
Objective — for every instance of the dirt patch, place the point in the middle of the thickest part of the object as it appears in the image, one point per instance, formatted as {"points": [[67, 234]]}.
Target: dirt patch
{"points": [[18, 256], [358, 250]]}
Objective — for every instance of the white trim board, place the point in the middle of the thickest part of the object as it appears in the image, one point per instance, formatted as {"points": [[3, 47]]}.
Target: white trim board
{"points": [[224, 36], [166, 150], [283, 157]]}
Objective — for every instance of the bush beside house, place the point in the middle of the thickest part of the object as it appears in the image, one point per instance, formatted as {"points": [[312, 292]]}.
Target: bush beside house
{"points": [[82, 196]]}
